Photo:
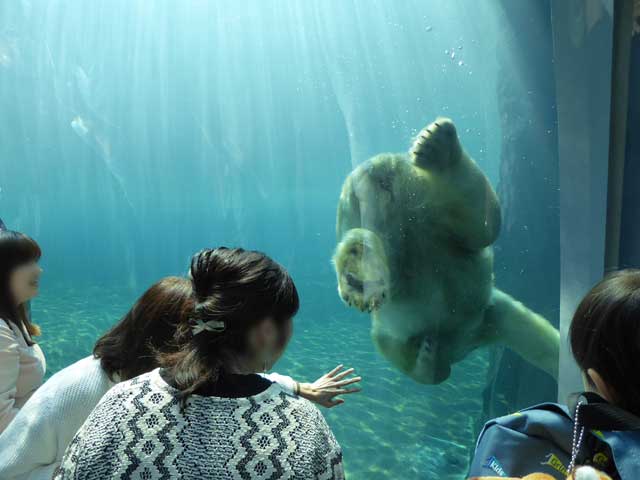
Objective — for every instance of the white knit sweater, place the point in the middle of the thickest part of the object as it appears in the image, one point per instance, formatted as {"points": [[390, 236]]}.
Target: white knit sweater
{"points": [[32, 446], [140, 431]]}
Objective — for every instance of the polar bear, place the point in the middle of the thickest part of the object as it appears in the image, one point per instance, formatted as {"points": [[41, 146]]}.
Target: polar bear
{"points": [[414, 250]]}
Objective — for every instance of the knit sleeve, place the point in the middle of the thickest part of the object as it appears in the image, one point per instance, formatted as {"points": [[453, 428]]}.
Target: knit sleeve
{"points": [[332, 468], [327, 454], [9, 371], [88, 453], [66, 470]]}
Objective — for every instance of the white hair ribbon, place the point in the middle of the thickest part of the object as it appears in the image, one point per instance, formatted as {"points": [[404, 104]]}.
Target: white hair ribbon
{"points": [[210, 326]]}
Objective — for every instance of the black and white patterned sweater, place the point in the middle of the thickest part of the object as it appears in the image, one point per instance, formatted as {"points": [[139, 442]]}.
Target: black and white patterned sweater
{"points": [[138, 431]]}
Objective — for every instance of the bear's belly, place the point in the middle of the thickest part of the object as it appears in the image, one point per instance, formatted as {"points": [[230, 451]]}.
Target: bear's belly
{"points": [[431, 314], [444, 300]]}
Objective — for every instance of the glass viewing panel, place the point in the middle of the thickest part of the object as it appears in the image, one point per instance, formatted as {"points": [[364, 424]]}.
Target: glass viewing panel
{"points": [[135, 133]]}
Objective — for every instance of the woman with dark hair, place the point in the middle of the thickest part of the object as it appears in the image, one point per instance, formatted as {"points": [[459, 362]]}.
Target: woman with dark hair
{"points": [[601, 427], [207, 413], [22, 363]]}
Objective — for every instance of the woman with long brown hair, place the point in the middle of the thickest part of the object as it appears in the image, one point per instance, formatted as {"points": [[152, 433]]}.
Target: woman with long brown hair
{"points": [[22, 363]]}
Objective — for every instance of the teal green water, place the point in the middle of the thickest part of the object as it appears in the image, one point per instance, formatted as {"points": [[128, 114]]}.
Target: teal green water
{"points": [[393, 428]]}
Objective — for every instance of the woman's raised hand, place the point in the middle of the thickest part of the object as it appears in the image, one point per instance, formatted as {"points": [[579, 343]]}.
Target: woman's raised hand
{"points": [[325, 389]]}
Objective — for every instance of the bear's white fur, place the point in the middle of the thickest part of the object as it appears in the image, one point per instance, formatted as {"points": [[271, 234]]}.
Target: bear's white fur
{"points": [[414, 249]]}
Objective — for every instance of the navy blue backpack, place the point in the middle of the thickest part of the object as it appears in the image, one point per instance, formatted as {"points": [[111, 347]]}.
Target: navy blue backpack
{"points": [[546, 439]]}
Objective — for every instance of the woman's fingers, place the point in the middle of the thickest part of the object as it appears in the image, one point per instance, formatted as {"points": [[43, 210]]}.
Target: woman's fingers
{"points": [[346, 391], [346, 382], [333, 403], [334, 371], [341, 391], [348, 371]]}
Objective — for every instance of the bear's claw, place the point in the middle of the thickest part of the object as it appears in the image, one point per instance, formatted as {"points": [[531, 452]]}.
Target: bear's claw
{"points": [[363, 274], [369, 297], [434, 143]]}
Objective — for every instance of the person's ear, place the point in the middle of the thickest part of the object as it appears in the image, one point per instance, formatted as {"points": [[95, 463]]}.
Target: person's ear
{"points": [[601, 386]]}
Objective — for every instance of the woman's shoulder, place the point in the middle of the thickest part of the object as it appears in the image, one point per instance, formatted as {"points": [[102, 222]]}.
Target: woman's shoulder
{"points": [[12, 332], [306, 424], [82, 379], [304, 411], [79, 372], [147, 382], [5, 328], [8, 336]]}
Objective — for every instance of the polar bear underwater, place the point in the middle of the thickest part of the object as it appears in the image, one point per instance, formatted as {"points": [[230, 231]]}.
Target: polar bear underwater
{"points": [[414, 250]]}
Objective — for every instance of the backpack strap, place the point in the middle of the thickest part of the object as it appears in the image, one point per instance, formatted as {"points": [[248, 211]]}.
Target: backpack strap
{"points": [[598, 414], [561, 410]]}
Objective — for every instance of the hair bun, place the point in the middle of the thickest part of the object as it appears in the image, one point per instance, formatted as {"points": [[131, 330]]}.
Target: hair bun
{"points": [[199, 310], [204, 272]]}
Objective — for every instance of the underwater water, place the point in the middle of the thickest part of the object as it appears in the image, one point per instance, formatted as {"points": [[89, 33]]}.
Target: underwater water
{"points": [[134, 133]]}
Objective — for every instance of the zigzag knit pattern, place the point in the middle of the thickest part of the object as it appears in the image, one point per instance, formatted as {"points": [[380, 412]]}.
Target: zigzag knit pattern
{"points": [[139, 431]]}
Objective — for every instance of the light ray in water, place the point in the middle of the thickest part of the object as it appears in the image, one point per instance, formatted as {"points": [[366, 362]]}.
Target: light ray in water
{"points": [[101, 146], [84, 85]]}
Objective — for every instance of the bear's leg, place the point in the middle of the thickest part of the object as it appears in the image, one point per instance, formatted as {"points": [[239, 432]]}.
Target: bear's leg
{"points": [[530, 335], [362, 270], [467, 206], [419, 357]]}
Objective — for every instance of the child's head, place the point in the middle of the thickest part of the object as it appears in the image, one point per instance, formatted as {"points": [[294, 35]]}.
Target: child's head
{"points": [[605, 339]]}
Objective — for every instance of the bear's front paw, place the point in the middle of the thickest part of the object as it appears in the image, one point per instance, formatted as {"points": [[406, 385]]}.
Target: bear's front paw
{"points": [[365, 295], [363, 273]]}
